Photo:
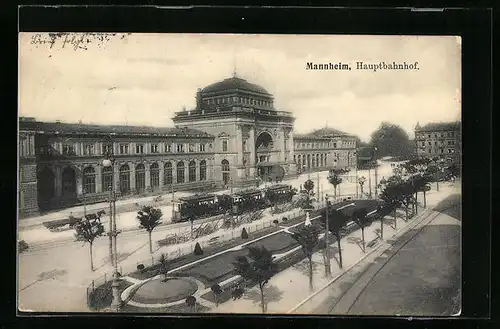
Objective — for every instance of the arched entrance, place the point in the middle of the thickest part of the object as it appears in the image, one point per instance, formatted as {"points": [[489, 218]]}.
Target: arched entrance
{"points": [[68, 182], [140, 178], [225, 171], [46, 187], [263, 149], [124, 179]]}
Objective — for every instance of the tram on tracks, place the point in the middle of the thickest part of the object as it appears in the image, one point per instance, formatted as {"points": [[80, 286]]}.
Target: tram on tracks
{"points": [[208, 204]]}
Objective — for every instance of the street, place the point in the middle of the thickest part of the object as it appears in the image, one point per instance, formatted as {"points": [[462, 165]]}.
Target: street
{"points": [[417, 277]]}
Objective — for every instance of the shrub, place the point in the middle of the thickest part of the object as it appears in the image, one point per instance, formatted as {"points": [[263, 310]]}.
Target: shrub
{"points": [[284, 219], [237, 293], [244, 234], [141, 268], [275, 222], [197, 249], [22, 245], [191, 301]]}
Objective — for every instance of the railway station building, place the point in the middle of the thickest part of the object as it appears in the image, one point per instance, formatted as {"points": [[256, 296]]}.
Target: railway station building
{"points": [[233, 137]]}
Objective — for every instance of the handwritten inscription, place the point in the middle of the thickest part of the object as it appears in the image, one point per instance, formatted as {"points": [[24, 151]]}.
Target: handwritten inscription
{"points": [[76, 41]]}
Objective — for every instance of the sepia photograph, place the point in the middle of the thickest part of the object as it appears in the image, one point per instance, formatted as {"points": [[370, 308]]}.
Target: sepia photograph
{"points": [[166, 173]]}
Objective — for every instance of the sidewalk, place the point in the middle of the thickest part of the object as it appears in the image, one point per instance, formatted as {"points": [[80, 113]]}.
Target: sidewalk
{"points": [[281, 298], [166, 198]]}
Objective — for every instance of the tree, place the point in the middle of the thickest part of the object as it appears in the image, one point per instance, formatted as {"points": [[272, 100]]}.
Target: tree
{"points": [[217, 290], [406, 191], [336, 222], [335, 180], [307, 237], [163, 270], [309, 186], [88, 230], [421, 184], [149, 218], [197, 249], [191, 302], [260, 269], [359, 217], [392, 194], [391, 140], [382, 211]]}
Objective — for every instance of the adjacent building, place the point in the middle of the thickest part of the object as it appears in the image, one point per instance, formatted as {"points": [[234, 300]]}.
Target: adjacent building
{"points": [[234, 136], [439, 140]]}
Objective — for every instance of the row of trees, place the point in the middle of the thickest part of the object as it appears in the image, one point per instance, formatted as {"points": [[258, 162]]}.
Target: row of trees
{"points": [[399, 190]]}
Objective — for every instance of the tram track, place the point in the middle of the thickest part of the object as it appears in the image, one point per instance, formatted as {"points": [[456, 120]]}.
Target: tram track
{"points": [[427, 219]]}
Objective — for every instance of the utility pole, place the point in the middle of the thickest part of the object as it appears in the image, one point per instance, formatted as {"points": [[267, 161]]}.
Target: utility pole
{"points": [[376, 172], [328, 271], [317, 187], [356, 170], [370, 182]]}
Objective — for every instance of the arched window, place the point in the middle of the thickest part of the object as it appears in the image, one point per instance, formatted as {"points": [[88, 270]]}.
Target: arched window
{"points": [[68, 182], [192, 171], [225, 171], [89, 180], [125, 179], [46, 187], [154, 175], [107, 178], [168, 173], [180, 172], [203, 170], [140, 178]]}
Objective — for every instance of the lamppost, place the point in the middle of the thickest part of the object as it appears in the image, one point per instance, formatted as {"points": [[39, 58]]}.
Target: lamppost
{"points": [[376, 167], [328, 270], [356, 171], [361, 182], [116, 302]]}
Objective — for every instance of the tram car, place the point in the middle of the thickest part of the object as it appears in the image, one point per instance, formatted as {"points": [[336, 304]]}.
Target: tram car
{"points": [[248, 200], [279, 193], [198, 206], [207, 205]]}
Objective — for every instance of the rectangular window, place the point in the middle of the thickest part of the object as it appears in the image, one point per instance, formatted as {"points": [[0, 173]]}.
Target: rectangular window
{"points": [[88, 149], [68, 149], [244, 145], [180, 148], [435, 143], [224, 146], [154, 148], [202, 147], [123, 148], [168, 148], [192, 148], [334, 145], [139, 148], [107, 149]]}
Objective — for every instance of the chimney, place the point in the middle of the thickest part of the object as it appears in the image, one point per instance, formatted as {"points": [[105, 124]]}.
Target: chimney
{"points": [[198, 99]]}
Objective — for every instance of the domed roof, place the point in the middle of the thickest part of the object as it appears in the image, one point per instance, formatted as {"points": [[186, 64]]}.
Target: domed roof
{"points": [[233, 84]]}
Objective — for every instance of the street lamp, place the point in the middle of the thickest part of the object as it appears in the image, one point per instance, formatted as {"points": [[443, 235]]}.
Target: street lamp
{"points": [[328, 270], [116, 302]]}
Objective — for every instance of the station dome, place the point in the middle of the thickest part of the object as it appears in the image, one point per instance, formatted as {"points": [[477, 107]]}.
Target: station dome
{"points": [[234, 83]]}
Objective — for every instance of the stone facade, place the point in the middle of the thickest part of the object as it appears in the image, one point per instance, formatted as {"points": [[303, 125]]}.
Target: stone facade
{"points": [[234, 137], [441, 140]]}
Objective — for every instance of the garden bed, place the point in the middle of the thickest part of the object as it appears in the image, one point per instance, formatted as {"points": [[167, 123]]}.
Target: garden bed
{"points": [[151, 271], [181, 308], [158, 292]]}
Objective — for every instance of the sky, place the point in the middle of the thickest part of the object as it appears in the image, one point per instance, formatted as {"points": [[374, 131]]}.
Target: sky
{"points": [[142, 79]]}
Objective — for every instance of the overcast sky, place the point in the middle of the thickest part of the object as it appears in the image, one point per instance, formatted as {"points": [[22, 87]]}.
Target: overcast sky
{"points": [[142, 79]]}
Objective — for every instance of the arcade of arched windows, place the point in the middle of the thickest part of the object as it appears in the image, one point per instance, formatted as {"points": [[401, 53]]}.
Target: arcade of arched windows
{"points": [[309, 161], [127, 178]]}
